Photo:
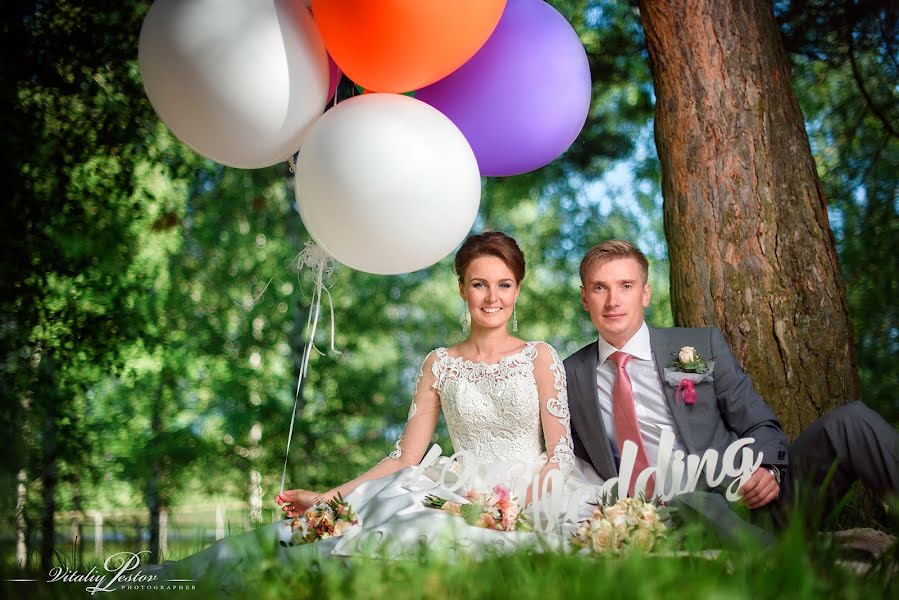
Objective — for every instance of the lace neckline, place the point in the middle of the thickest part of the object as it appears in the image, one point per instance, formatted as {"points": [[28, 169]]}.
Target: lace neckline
{"points": [[443, 354]]}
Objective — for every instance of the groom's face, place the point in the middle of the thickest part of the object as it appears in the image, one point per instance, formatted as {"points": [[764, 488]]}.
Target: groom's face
{"points": [[615, 294]]}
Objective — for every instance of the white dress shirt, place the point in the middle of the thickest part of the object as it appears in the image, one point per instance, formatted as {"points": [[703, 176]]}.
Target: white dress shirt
{"points": [[653, 414]]}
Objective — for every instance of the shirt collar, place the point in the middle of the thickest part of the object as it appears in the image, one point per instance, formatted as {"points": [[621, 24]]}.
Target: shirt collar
{"points": [[638, 346]]}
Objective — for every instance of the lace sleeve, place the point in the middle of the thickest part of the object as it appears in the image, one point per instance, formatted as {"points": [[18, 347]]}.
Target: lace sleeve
{"points": [[554, 415], [422, 420]]}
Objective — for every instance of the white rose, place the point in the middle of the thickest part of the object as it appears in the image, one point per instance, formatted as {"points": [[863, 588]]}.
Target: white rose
{"points": [[623, 523], [687, 354], [643, 540], [613, 512], [604, 540], [649, 515]]}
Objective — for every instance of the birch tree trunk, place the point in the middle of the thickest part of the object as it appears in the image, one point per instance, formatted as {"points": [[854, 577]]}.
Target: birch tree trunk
{"points": [[21, 537], [749, 240], [154, 504], [48, 490], [255, 487], [77, 522]]}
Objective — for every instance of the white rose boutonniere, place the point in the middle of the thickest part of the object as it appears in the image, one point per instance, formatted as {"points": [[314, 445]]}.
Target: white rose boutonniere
{"points": [[688, 369], [687, 355], [689, 361]]}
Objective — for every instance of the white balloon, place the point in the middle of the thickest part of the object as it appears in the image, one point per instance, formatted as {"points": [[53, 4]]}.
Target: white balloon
{"points": [[387, 184], [239, 81]]}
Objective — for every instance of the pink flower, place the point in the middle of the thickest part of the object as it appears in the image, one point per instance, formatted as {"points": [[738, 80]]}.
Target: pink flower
{"points": [[501, 493]]}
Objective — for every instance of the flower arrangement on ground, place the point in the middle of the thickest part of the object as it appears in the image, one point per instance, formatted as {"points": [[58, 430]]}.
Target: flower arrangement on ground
{"points": [[324, 520], [629, 524], [497, 509]]}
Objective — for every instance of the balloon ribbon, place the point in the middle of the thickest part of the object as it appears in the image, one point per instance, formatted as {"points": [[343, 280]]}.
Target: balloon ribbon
{"points": [[319, 262]]}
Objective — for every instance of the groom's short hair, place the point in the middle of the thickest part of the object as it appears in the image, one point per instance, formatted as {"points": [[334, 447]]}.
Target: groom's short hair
{"points": [[611, 250]]}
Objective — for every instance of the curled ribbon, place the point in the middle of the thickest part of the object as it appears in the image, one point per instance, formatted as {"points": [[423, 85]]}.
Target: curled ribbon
{"points": [[321, 264], [686, 390]]}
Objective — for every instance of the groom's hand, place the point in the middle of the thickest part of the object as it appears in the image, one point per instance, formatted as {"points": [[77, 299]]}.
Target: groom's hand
{"points": [[761, 489]]}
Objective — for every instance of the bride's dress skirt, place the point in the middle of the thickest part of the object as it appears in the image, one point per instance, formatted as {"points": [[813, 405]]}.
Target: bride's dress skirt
{"points": [[395, 524]]}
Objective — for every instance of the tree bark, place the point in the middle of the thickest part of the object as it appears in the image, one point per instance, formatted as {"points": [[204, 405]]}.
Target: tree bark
{"points": [[749, 240]]}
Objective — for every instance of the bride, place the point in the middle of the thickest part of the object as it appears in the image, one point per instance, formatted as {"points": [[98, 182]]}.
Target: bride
{"points": [[506, 409], [502, 398]]}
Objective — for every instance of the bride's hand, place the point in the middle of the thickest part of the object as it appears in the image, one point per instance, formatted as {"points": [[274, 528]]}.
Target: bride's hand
{"points": [[295, 502]]}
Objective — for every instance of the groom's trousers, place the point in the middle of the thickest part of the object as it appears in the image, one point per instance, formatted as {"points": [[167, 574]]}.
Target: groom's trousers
{"points": [[849, 443]]}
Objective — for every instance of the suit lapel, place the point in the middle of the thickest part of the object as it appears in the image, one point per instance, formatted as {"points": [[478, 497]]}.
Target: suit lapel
{"points": [[596, 441], [661, 350]]}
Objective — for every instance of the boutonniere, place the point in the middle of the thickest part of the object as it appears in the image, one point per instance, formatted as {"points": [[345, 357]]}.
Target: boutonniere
{"points": [[686, 370]]}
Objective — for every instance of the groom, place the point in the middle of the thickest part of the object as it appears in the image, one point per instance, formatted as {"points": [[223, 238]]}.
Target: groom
{"points": [[617, 391]]}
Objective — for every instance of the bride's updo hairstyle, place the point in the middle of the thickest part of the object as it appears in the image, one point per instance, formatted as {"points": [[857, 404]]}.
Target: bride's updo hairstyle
{"points": [[490, 243]]}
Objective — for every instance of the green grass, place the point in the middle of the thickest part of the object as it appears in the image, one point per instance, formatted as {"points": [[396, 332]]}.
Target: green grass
{"points": [[793, 568]]}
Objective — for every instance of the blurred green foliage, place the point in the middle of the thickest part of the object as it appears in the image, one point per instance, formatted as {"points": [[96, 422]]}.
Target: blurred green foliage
{"points": [[845, 69]]}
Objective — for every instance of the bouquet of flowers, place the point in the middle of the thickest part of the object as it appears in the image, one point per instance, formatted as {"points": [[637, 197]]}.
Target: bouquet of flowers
{"points": [[498, 509], [324, 520], [630, 523]]}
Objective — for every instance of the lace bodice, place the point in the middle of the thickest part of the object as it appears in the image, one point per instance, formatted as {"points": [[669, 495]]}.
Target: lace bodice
{"points": [[491, 410], [500, 411]]}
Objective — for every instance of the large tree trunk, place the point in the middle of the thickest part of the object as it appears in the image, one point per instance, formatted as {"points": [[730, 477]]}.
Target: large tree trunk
{"points": [[745, 217]]}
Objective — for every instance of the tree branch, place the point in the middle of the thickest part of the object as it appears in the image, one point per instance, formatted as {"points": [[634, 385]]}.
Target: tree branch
{"points": [[857, 76], [874, 158]]}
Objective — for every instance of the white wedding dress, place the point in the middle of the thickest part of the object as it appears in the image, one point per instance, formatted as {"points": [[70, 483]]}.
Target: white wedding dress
{"points": [[509, 424]]}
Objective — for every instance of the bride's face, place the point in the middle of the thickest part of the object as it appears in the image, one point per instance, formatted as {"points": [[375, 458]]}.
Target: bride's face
{"points": [[490, 290]]}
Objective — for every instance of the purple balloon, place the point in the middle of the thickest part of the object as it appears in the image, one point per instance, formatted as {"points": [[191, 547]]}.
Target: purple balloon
{"points": [[524, 97]]}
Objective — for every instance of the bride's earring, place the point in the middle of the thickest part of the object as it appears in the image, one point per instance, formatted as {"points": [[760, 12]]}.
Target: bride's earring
{"points": [[515, 318], [466, 319]]}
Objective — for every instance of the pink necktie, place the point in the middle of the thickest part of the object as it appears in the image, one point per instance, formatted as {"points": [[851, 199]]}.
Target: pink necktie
{"points": [[625, 416]]}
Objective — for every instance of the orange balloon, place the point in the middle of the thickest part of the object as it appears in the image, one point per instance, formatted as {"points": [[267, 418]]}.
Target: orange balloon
{"points": [[403, 45]]}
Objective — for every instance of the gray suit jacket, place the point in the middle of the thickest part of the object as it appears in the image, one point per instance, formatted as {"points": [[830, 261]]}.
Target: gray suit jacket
{"points": [[726, 409]]}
